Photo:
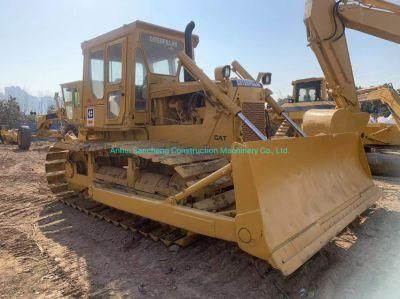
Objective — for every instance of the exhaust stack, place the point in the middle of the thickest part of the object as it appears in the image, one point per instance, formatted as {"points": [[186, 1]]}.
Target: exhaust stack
{"points": [[189, 48]]}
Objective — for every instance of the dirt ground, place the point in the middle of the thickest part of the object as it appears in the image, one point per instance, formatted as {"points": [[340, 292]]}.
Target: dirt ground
{"points": [[48, 250]]}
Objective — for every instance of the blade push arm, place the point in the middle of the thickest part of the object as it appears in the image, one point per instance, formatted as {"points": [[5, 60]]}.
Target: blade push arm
{"points": [[326, 21]]}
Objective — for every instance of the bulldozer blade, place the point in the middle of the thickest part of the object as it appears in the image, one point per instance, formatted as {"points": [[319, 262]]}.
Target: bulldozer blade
{"points": [[296, 194]]}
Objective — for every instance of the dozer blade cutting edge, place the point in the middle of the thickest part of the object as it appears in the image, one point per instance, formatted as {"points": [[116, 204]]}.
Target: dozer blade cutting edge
{"points": [[289, 206]]}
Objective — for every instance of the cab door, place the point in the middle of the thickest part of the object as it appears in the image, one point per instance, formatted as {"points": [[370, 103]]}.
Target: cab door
{"points": [[142, 109], [67, 101], [115, 81], [77, 91], [71, 100]]}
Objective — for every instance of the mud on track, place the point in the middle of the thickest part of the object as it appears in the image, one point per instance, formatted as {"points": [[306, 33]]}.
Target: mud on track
{"points": [[50, 250]]}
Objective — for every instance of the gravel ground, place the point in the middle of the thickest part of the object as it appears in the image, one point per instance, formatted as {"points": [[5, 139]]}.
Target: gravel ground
{"points": [[48, 250]]}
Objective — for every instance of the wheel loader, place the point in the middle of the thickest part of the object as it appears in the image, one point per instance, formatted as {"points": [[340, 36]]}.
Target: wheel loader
{"points": [[326, 22], [67, 114], [166, 151]]}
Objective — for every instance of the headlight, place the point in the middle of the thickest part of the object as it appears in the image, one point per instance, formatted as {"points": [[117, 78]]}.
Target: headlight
{"points": [[226, 71], [264, 78], [222, 72]]}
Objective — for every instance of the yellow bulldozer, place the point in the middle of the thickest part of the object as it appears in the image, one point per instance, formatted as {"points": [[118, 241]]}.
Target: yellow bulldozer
{"points": [[308, 93], [166, 151], [326, 22]]}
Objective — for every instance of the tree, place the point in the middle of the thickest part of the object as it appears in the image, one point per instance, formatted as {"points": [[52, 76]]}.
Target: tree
{"points": [[376, 108], [10, 113]]}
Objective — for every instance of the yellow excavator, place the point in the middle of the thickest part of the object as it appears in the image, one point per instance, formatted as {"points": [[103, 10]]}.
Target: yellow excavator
{"points": [[326, 22], [168, 152], [382, 140], [378, 138], [383, 133]]}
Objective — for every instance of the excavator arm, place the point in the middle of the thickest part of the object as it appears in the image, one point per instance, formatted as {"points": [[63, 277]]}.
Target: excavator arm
{"points": [[326, 21], [386, 94]]}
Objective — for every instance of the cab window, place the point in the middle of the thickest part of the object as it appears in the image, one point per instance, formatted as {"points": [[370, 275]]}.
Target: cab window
{"points": [[307, 95], [76, 98], [114, 54], [161, 54], [308, 91], [114, 103], [68, 94], [97, 73], [140, 82]]}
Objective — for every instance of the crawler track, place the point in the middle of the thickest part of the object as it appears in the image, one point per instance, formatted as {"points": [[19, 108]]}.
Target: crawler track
{"points": [[55, 170]]}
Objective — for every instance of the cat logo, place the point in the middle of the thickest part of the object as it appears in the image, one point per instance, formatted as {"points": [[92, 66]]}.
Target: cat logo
{"points": [[219, 137], [90, 117]]}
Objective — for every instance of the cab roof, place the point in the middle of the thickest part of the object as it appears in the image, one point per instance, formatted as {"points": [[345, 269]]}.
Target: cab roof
{"points": [[305, 80], [129, 29], [72, 83]]}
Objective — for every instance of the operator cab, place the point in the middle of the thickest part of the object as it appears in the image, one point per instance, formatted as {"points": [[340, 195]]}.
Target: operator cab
{"points": [[127, 71], [308, 93], [71, 100], [309, 90]]}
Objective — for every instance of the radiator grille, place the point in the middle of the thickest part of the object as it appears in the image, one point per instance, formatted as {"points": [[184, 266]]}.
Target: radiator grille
{"points": [[255, 112]]}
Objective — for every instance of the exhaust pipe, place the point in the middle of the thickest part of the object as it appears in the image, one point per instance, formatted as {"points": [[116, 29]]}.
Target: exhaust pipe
{"points": [[189, 48]]}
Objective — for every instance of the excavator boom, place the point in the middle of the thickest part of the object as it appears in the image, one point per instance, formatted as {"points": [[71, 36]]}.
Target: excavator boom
{"points": [[326, 21], [387, 95]]}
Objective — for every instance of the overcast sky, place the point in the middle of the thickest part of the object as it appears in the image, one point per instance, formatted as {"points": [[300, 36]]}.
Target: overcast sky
{"points": [[40, 40]]}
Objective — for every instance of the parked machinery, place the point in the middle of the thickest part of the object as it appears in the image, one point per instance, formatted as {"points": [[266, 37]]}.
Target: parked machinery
{"points": [[67, 114], [326, 22], [382, 140], [20, 136], [190, 154], [308, 93]]}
